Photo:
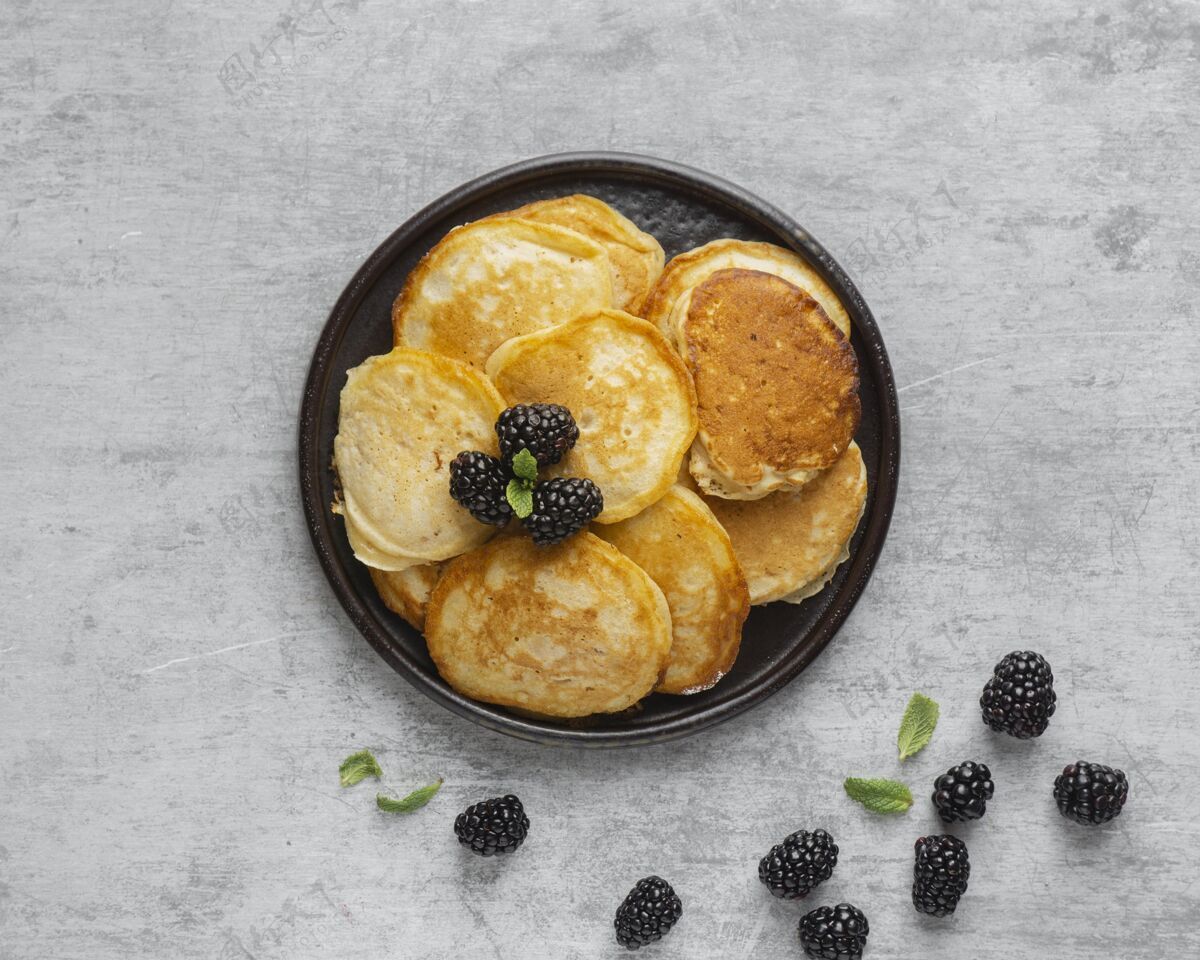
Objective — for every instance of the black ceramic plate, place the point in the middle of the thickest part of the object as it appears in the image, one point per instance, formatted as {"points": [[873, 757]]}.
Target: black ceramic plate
{"points": [[683, 208]]}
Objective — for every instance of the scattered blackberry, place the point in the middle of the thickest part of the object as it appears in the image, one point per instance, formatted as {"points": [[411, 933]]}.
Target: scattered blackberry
{"points": [[546, 430], [561, 507], [793, 868], [478, 481], [834, 933], [1090, 792], [648, 913], [962, 792], [1019, 699], [940, 874], [495, 826]]}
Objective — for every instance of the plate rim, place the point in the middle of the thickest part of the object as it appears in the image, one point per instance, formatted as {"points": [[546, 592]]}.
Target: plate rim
{"points": [[638, 167]]}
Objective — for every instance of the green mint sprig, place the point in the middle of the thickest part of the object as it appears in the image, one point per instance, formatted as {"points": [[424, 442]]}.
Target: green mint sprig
{"points": [[414, 801], [519, 492], [357, 767], [524, 465], [916, 729], [879, 796]]}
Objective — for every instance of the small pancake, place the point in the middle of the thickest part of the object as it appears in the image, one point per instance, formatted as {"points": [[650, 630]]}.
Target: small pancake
{"points": [[563, 631], [776, 383], [692, 268], [679, 542], [403, 417], [499, 278], [628, 391], [406, 592], [790, 543], [637, 258], [366, 552]]}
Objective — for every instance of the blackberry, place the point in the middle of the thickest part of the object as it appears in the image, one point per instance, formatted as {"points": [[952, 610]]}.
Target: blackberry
{"points": [[492, 827], [940, 874], [478, 481], [962, 792], [834, 933], [648, 913], [1019, 699], [561, 507], [1090, 792], [546, 430], [793, 868]]}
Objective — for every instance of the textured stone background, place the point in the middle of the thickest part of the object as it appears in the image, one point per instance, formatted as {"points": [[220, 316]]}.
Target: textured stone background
{"points": [[1015, 191]]}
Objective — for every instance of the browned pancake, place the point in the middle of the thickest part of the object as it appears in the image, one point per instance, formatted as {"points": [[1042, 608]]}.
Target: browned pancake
{"points": [[693, 267], [565, 631], [406, 592], [776, 383], [679, 542], [789, 544]]}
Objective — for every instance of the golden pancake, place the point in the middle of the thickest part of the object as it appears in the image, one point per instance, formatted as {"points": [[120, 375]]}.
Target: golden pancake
{"points": [[564, 631], [637, 258], [790, 543], [628, 391], [406, 592], [692, 268], [776, 383], [365, 551], [495, 279], [404, 416], [679, 542]]}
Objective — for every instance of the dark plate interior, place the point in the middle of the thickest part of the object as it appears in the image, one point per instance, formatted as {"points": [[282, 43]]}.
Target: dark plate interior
{"points": [[683, 208]]}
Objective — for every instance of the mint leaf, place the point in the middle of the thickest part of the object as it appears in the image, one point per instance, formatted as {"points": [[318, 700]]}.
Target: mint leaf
{"points": [[524, 465], [519, 495], [414, 801], [879, 796], [357, 767], [916, 729]]}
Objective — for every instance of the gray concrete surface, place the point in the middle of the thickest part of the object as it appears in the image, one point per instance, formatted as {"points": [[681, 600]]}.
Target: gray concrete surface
{"points": [[1015, 188]]}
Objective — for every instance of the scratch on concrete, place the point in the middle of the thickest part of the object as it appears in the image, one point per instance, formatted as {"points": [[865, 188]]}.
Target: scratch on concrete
{"points": [[217, 653], [946, 373]]}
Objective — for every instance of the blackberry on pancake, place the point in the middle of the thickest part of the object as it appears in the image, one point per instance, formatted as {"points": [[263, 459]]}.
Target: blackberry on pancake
{"points": [[546, 430], [628, 391]]}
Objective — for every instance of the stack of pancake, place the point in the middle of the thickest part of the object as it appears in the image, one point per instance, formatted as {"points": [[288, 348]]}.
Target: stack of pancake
{"points": [[716, 399]]}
